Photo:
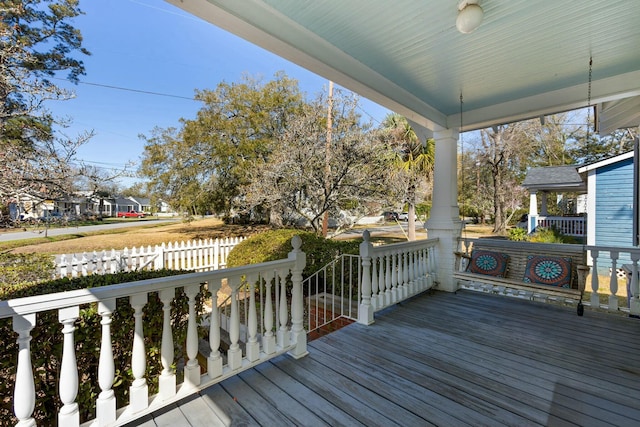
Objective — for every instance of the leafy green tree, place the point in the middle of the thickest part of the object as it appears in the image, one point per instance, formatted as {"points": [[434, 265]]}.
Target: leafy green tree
{"points": [[413, 160], [203, 165], [37, 45], [36, 42]]}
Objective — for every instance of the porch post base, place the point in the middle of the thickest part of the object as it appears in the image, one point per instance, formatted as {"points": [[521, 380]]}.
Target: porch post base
{"points": [[167, 385], [192, 375], [300, 350], [139, 399], [365, 314], [214, 366]]}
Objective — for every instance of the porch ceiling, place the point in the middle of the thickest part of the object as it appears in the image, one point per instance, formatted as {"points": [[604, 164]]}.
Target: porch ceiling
{"points": [[527, 58]]}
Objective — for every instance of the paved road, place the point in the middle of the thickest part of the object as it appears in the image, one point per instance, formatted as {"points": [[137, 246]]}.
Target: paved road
{"points": [[376, 229], [7, 236]]}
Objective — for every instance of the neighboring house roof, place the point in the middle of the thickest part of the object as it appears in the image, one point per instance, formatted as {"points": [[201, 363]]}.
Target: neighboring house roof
{"points": [[605, 162], [144, 201], [555, 178]]}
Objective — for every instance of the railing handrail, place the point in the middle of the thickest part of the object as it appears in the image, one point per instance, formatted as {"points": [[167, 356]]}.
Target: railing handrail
{"points": [[405, 245], [58, 300]]}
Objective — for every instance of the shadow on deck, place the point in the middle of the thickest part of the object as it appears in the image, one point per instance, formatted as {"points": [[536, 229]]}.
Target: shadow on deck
{"points": [[441, 359]]}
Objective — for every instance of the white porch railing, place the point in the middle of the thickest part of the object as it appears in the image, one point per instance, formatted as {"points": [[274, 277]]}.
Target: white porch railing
{"points": [[277, 338], [575, 226], [393, 273], [196, 255], [610, 256]]}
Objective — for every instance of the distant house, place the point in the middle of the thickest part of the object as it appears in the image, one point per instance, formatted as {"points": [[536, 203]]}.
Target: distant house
{"points": [[143, 204]]}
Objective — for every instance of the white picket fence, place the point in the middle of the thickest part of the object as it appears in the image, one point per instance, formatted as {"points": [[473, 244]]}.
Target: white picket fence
{"points": [[195, 255]]}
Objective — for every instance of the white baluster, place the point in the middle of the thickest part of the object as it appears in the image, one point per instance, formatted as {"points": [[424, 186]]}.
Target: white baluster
{"points": [[252, 345], [234, 355], [268, 339], [214, 362], [395, 274], [68, 414], [381, 282], [106, 403], [365, 309], [24, 393], [167, 379], [595, 298], [374, 283], [283, 313], [298, 334], [405, 276], [192, 370], [613, 284], [388, 279], [139, 390]]}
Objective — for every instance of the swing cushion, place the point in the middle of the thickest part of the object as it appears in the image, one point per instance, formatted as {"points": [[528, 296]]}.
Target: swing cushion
{"points": [[488, 262], [548, 270]]}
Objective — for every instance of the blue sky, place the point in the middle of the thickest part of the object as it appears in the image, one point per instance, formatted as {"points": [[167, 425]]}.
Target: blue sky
{"points": [[151, 46]]}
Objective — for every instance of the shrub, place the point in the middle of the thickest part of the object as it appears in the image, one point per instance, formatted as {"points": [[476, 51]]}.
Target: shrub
{"points": [[46, 344], [276, 244], [19, 271], [541, 235], [518, 234]]}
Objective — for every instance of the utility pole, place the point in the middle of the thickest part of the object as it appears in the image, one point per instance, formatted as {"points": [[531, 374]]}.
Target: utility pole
{"points": [[327, 159]]}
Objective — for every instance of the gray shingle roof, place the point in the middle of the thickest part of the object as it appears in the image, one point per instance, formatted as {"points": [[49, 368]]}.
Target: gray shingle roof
{"points": [[554, 178]]}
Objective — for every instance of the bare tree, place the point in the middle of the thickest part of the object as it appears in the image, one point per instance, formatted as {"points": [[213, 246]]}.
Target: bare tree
{"points": [[292, 183]]}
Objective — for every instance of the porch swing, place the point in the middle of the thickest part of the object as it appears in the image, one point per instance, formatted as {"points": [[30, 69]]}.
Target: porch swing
{"points": [[535, 271]]}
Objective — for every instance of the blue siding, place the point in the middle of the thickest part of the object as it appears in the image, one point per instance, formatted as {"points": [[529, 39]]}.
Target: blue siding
{"points": [[614, 207]]}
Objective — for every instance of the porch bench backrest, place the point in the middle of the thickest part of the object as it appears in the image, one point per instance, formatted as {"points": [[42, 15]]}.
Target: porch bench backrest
{"points": [[516, 266]]}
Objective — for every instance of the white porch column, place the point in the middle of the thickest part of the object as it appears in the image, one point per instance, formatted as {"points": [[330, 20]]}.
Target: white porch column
{"points": [[532, 220], [543, 204], [444, 222]]}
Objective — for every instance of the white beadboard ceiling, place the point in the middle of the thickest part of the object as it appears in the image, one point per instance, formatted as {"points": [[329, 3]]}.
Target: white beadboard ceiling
{"points": [[527, 58]]}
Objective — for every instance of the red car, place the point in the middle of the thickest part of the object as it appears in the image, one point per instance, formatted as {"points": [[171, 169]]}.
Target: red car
{"points": [[131, 214]]}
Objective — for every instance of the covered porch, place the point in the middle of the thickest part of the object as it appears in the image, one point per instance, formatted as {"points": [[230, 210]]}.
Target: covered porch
{"points": [[446, 358], [441, 359]]}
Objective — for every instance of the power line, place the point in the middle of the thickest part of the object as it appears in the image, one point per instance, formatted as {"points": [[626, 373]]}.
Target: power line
{"points": [[126, 89]]}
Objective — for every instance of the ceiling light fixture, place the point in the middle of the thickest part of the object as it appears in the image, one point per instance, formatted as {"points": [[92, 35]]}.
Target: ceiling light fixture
{"points": [[470, 16]]}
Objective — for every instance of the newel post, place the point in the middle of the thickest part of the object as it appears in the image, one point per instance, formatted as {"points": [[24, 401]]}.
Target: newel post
{"points": [[298, 334], [365, 309]]}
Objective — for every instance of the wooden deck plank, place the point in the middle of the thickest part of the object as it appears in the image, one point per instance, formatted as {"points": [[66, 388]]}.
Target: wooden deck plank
{"points": [[510, 383], [278, 397], [390, 412], [199, 414], [341, 397], [305, 396], [417, 399], [454, 384], [225, 406], [254, 403], [444, 359]]}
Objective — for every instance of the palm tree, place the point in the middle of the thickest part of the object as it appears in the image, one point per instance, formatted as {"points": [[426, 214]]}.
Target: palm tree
{"points": [[413, 159]]}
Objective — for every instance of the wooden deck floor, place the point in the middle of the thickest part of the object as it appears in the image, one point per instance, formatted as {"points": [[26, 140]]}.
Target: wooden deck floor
{"points": [[464, 359]]}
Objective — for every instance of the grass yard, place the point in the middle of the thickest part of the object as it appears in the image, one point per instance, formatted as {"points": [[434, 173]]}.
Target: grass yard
{"points": [[148, 234]]}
